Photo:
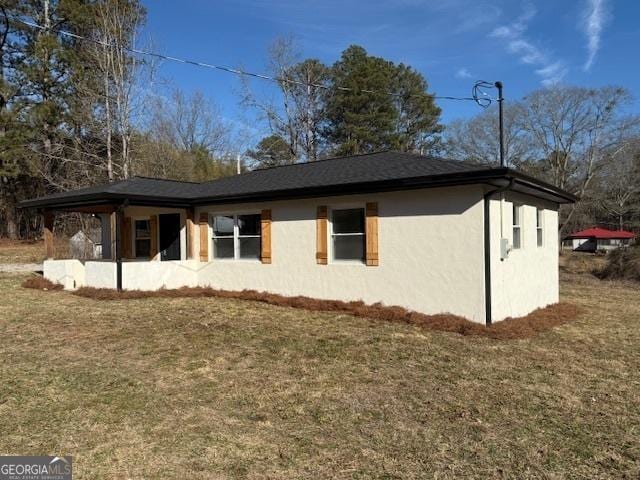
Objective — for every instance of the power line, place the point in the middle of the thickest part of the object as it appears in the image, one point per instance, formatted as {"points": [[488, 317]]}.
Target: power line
{"points": [[483, 101]]}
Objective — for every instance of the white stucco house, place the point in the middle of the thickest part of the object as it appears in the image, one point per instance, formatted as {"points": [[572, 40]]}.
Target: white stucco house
{"points": [[428, 234]]}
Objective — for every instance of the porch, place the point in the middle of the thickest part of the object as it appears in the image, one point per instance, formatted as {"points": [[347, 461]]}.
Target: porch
{"points": [[134, 274], [143, 247]]}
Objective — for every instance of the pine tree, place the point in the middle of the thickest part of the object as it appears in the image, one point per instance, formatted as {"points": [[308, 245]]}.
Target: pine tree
{"points": [[360, 119], [272, 151], [416, 124], [374, 105]]}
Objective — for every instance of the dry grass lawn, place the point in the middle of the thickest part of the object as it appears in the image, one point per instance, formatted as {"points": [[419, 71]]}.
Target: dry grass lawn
{"points": [[205, 388], [30, 251], [21, 251]]}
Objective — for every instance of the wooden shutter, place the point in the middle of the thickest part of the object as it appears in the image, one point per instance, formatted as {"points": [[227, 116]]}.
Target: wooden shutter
{"points": [[371, 233], [191, 234], [153, 227], [265, 232], [204, 237], [126, 237], [321, 236]]}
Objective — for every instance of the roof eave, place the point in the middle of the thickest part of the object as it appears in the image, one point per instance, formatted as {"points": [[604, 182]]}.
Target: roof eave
{"points": [[492, 176], [489, 176], [105, 198]]}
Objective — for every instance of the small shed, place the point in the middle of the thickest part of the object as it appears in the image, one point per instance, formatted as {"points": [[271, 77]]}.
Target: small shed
{"points": [[86, 244], [596, 238]]}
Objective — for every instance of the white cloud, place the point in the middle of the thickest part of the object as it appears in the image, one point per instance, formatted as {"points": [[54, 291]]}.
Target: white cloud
{"points": [[518, 27], [528, 53], [464, 73], [595, 18], [551, 71], [502, 32]]}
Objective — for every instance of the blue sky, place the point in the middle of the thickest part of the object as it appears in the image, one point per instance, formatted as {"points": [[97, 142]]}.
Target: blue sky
{"points": [[526, 44]]}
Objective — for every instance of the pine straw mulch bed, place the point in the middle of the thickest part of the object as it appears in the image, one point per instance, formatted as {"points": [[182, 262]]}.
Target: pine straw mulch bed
{"points": [[40, 283], [528, 326]]}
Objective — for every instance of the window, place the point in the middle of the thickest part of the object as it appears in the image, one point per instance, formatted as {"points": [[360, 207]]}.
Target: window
{"points": [[348, 234], [539, 231], [248, 236], [143, 238], [223, 237], [236, 236], [517, 227]]}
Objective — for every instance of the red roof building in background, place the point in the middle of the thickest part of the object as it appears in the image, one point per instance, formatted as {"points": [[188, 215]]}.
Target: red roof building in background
{"points": [[596, 238], [597, 232]]}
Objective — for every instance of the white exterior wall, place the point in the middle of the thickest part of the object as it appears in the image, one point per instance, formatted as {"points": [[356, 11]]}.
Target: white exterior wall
{"points": [[528, 278], [100, 274], [68, 273], [156, 275], [430, 247]]}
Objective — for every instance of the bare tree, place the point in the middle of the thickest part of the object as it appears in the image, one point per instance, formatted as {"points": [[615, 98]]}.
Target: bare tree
{"points": [[477, 139], [573, 128], [118, 22], [297, 114], [189, 122], [620, 182]]}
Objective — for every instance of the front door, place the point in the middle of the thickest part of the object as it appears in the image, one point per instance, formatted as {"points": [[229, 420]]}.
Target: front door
{"points": [[169, 226]]}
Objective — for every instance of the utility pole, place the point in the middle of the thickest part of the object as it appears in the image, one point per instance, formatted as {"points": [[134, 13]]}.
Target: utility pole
{"points": [[238, 164], [498, 85], [485, 101]]}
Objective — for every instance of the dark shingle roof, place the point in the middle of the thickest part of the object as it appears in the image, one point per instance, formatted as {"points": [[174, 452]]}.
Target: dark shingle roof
{"points": [[344, 175], [356, 169], [135, 186]]}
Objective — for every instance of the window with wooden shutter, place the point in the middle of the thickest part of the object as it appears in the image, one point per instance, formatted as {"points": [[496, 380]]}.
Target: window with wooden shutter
{"points": [[126, 237], [348, 234], [204, 237], [265, 226], [321, 236], [371, 236]]}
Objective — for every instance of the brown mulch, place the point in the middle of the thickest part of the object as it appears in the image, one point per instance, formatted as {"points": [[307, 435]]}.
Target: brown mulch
{"points": [[512, 328], [40, 283]]}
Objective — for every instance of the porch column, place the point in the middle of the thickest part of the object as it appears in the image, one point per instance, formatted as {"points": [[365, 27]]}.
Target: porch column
{"points": [[48, 233], [112, 238], [119, 218]]}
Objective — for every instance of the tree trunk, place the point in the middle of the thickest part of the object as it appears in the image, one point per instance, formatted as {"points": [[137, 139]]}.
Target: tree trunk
{"points": [[107, 108], [12, 224]]}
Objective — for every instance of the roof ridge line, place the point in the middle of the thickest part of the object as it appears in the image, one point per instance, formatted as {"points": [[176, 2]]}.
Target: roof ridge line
{"points": [[308, 162], [162, 179], [342, 157]]}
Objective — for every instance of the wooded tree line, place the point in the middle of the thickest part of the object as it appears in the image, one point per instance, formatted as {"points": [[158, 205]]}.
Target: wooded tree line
{"points": [[75, 113], [580, 139], [360, 104], [583, 140]]}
